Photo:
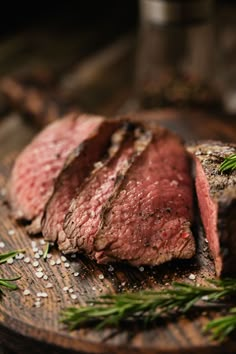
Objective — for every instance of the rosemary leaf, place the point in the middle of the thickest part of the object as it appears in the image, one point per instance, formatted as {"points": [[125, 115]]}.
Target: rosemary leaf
{"points": [[229, 164], [5, 256], [147, 305], [46, 250], [223, 326]]}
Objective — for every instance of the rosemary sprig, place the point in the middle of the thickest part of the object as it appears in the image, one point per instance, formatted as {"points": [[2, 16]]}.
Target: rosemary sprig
{"points": [[147, 305], [223, 326], [8, 283], [229, 164]]}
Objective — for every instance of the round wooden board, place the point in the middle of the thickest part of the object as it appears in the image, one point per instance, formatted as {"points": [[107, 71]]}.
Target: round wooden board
{"points": [[24, 327]]}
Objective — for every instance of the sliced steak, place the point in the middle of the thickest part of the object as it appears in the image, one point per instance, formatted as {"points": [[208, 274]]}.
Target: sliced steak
{"points": [[148, 220], [37, 167], [83, 220], [78, 166], [216, 193]]}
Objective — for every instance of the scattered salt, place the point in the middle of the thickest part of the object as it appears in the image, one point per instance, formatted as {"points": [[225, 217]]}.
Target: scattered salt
{"points": [[205, 298], [42, 242], [206, 240], [58, 261], [141, 269], [40, 252], [39, 274], [42, 294], [26, 292], [39, 269], [27, 260], [71, 290], [101, 276], [11, 232], [65, 288], [19, 256], [73, 296], [192, 276], [94, 288], [67, 265], [33, 244], [52, 262], [49, 256], [2, 244], [76, 274], [35, 249], [35, 264], [37, 255], [37, 304], [10, 260], [63, 258], [45, 277]]}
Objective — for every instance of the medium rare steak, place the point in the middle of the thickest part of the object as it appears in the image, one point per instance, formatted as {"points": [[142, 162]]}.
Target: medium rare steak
{"points": [[83, 220], [78, 166], [37, 167], [216, 193], [148, 220]]}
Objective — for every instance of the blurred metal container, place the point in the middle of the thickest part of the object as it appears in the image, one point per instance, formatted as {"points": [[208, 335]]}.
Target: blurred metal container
{"points": [[176, 54]]}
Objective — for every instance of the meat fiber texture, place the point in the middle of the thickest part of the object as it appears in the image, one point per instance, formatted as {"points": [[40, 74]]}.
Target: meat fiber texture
{"points": [[83, 220], [148, 221], [39, 164], [216, 193], [79, 165]]}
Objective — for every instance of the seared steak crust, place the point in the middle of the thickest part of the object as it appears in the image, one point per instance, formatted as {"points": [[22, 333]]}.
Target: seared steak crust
{"points": [[148, 219], [216, 194]]}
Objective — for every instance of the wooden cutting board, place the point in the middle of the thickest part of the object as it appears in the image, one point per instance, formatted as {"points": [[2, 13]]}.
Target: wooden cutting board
{"points": [[25, 327]]}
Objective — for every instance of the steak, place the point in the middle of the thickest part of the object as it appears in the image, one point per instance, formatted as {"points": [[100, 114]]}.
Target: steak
{"points": [[78, 166], [216, 193], [83, 220], [38, 166], [148, 220]]}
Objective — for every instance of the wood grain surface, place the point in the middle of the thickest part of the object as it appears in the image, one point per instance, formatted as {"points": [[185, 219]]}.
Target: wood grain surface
{"points": [[24, 327]]}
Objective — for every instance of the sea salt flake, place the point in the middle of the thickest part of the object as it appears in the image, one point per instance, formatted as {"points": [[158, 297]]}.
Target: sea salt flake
{"points": [[63, 258], [42, 294], [49, 256], [58, 261], [26, 292], [27, 260], [73, 296], [101, 276], [35, 249], [192, 276], [45, 277], [42, 242], [33, 244], [37, 255], [65, 288], [40, 252], [35, 264], [67, 265], [10, 260], [11, 232], [39, 274], [52, 262], [48, 285], [2, 244], [20, 256], [71, 290], [39, 269], [76, 274]]}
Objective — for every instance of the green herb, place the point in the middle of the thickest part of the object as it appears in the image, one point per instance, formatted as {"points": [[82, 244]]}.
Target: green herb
{"points": [[5, 256], [8, 283], [223, 326], [147, 305], [45, 253], [229, 164]]}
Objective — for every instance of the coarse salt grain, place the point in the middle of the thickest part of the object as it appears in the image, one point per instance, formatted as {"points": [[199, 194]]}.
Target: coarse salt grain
{"points": [[27, 260], [63, 258], [45, 277], [39, 274], [42, 294], [39, 269], [71, 290], [94, 288], [58, 261], [37, 304], [35, 264], [10, 260], [49, 256], [37, 255], [67, 265], [33, 244], [76, 274], [42, 242], [20, 256], [35, 249], [192, 276], [2, 244], [11, 232], [141, 269], [48, 285], [101, 276], [40, 252], [73, 296], [26, 292], [65, 288], [52, 262]]}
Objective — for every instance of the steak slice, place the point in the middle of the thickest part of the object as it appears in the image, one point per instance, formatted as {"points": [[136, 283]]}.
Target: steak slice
{"points": [[216, 193], [148, 220], [39, 164], [83, 220], [78, 166]]}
